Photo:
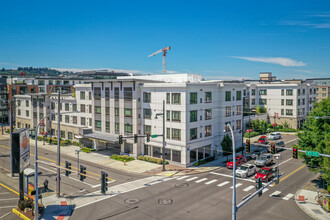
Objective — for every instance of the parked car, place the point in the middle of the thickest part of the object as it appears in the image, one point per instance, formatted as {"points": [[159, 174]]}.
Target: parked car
{"points": [[239, 161], [246, 170], [274, 136], [258, 152], [264, 160], [263, 140], [265, 173]]}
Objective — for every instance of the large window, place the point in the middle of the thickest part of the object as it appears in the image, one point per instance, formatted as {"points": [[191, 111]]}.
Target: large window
{"points": [[98, 124], [18, 111], [168, 115], [107, 110], [27, 103], [146, 97], [228, 111], [298, 91], [82, 95], [289, 102], [263, 92], [238, 124], [128, 112], [66, 107], [62, 134], [128, 94], [107, 93], [74, 120], [228, 96], [128, 128], [289, 92], [83, 121], [253, 101], [168, 98], [97, 93], [262, 101], [193, 116], [147, 113], [147, 129], [74, 107], [70, 135], [208, 130], [116, 111], [98, 110], [193, 133], [282, 111], [116, 128], [176, 98], [176, 134], [253, 92], [82, 108], [176, 116], [289, 112], [208, 114], [168, 133], [282, 101], [208, 97], [238, 110], [107, 126], [193, 98], [238, 95], [67, 119], [27, 113], [116, 93], [298, 102]]}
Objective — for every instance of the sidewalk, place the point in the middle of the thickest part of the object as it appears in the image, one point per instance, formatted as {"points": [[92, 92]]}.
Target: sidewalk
{"points": [[310, 206]]}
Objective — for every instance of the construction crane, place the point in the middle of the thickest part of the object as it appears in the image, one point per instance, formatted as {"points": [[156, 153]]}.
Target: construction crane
{"points": [[164, 50]]}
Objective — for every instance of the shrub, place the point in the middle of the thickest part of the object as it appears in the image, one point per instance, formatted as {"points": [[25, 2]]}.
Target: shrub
{"points": [[206, 160], [252, 134], [288, 130], [40, 138], [269, 126], [87, 149], [75, 143], [7, 131], [122, 157], [25, 204], [152, 159]]}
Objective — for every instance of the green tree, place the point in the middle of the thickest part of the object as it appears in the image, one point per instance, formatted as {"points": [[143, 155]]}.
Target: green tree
{"points": [[285, 124], [316, 137], [226, 145], [263, 126], [258, 109]]}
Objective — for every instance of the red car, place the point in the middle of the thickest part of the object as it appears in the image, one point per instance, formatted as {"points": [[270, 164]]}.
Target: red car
{"points": [[265, 173], [239, 161], [263, 140]]}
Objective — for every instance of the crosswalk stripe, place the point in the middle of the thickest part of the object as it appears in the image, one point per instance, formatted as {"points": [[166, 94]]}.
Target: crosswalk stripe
{"points": [[289, 196], [182, 177], [237, 185], [201, 180], [212, 181], [264, 190], [191, 179], [276, 193], [248, 188], [222, 184]]}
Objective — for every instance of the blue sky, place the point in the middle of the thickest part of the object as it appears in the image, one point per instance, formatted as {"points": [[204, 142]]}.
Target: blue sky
{"points": [[218, 39]]}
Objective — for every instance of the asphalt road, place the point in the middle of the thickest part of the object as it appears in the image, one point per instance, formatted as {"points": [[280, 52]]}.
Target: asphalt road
{"points": [[8, 200]]}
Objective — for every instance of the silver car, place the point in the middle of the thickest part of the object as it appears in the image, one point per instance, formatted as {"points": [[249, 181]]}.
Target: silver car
{"points": [[246, 170], [274, 136], [264, 160], [258, 152]]}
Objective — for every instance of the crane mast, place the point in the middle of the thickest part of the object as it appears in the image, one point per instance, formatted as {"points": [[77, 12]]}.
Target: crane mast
{"points": [[164, 50]]}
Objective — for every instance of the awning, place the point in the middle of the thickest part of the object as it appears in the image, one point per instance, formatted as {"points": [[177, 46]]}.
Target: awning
{"points": [[78, 136], [102, 137]]}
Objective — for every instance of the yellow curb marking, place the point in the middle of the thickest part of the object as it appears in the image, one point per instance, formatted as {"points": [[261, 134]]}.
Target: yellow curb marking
{"points": [[21, 215]]}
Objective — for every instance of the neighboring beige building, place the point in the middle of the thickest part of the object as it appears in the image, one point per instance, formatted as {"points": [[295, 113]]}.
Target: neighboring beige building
{"points": [[323, 88]]}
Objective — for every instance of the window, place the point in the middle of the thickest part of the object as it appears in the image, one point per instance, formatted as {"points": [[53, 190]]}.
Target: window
{"points": [[298, 91], [116, 94], [238, 95], [83, 121], [51, 82], [168, 133], [176, 98], [82, 95], [303, 101], [208, 114], [238, 124], [238, 110], [62, 134], [176, 116], [228, 111], [298, 112], [324, 94], [193, 133], [253, 101], [289, 92], [147, 129], [97, 93], [298, 102], [228, 96], [98, 110], [60, 118], [98, 124], [70, 135], [67, 107], [289, 112], [303, 91], [282, 91], [193, 98], [67, 119], [41, 82], [263, 92], [27, 113], [107, 110], [128, 128], [58, 82], [146, 97], [147, 113], [90, 108], [128, 112], [116, 127], [128, 94], [27, 103], [116, 111], [41, 116], [107, 126], [193, 116], [74, 120], [253, 92], [168, 115], [282, 101], [107, 93], [323, 89], [208, 97], [282, 111], [90, 122], [262, 101], [74, 107], [35, 115], [168, 98], [90, 95], [289, 102], [82, 108], [176, 134], [208, 130], [303, 111]]}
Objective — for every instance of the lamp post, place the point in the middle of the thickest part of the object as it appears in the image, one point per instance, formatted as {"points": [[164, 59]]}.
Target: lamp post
{"points": [[164, 143], [77, 152]]}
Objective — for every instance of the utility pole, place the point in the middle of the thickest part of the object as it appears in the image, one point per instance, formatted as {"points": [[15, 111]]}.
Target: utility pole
{"points": [[11, 134], [164, 143], [58, 145]]}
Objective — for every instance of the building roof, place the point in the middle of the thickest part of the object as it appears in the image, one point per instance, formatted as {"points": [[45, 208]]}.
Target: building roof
{"points": [[102, 136]]}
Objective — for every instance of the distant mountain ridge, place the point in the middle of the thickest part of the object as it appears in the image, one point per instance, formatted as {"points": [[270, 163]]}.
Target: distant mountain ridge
{"points": [[32, 71]]}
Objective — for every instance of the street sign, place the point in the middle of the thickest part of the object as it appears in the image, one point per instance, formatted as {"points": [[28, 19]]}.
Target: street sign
{"points": [[313, 153], [154, 135]]}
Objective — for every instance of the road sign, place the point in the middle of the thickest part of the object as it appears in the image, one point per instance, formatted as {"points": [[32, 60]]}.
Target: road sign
{"points": [[154, 135], [312, 153]]}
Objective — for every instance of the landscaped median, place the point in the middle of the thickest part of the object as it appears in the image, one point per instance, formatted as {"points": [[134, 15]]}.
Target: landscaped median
{"points": [[20, 214], [123, 158], [25, 209], [152, 159]]}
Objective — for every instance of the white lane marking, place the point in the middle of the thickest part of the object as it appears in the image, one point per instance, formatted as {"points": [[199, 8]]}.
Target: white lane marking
{"points": [[5, 215], [230, 176], [248, 188], [209, 182], [284, 162], [265, 190], [3, 207], [100, 184], [291, 140], [289, 196], [83, 190], [8, 199], [191, 179], [237, 185], [181, 178], [201, 180], [222, 184], [276, 193], [4, 193]]}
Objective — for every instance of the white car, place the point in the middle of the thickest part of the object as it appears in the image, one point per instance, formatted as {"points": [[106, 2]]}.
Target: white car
{"points": [[246, 170], [274, 136]]}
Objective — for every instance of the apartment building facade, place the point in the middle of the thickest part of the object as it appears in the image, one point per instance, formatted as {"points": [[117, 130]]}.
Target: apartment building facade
{"points": [[323, 88]]}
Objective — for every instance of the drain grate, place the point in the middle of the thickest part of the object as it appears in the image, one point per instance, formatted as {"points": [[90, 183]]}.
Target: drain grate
{"points": [[165, 201], [132, 201], [182, 185]]}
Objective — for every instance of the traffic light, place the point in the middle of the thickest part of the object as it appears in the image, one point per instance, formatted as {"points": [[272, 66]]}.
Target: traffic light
{"points": [[82, 171], [259, 185], [67, 166], [104, 182], [295, 152], [120, 139], [248, 146], [273, 148], [148, 137], [136, 138]]}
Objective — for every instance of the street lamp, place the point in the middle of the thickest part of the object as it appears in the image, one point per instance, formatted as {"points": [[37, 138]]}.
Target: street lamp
{"points": [[164, 143]]}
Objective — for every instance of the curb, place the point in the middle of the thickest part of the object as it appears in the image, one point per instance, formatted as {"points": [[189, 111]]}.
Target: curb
{"points": [[21, 215], [300, 206]]}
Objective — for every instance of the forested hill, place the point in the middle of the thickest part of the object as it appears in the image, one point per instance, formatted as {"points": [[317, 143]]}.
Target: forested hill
{"points": [[31, 71]]}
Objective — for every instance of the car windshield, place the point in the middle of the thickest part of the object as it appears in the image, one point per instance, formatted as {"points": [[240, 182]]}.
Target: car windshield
{"points": [[262, 171], [261, 158], [262, 139], [243, 168], [273, 134]]}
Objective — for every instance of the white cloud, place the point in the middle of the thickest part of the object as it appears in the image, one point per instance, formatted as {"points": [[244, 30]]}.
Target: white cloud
{"points": [[283, 61]]}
